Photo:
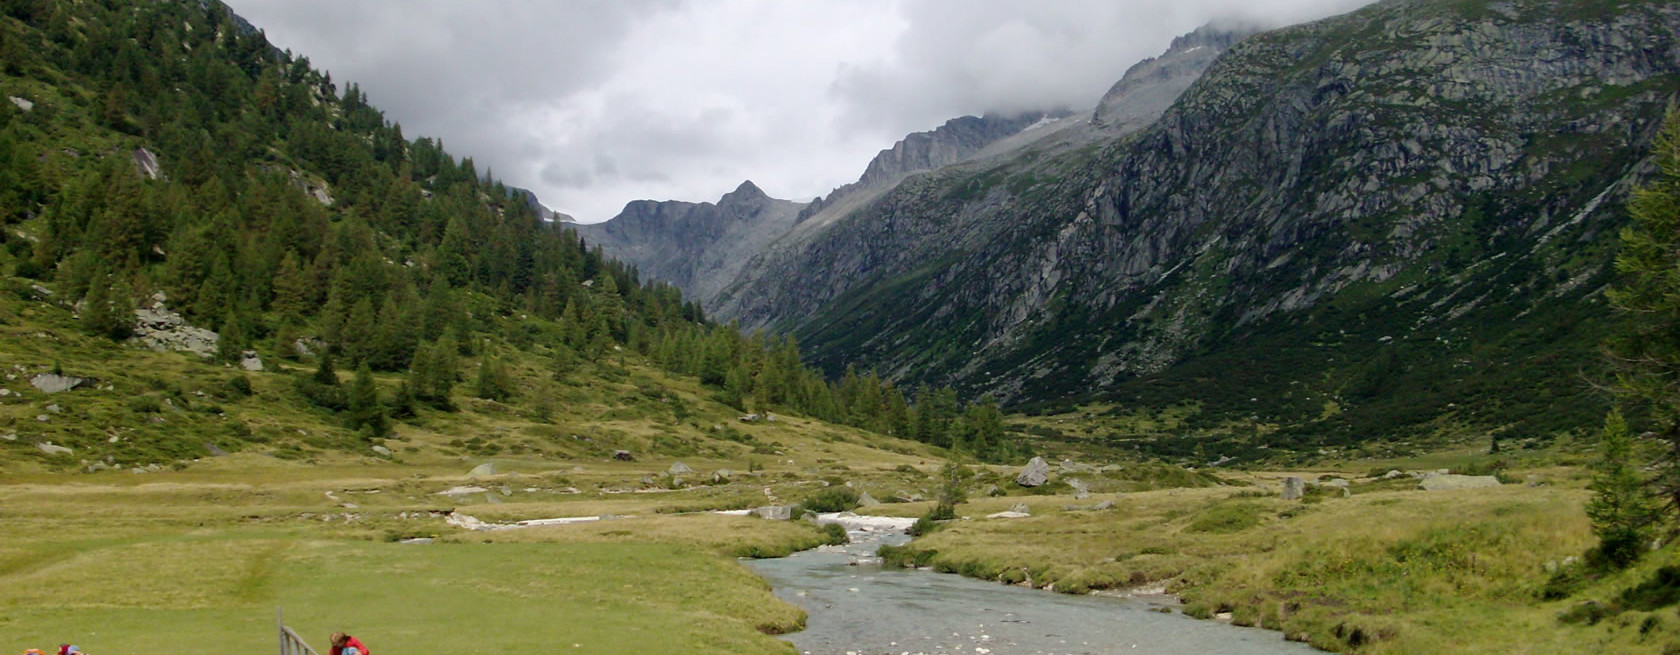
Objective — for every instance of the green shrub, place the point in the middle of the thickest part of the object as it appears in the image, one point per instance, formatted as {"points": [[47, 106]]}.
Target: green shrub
{"points": [[239, 386], [836, 534], [1227, 518], [834, 498]]}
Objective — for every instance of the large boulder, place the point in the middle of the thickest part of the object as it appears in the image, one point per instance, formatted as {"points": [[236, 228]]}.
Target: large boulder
{"points": [[51, 449], [487, 468], [1035, 473], [162, 330], [866, 500], [1294, 488], [1450, 481], [55, 383], [679, 468]]}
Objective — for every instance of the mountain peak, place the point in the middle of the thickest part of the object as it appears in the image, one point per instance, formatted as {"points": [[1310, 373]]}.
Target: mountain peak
{"points": [[747, 192]]}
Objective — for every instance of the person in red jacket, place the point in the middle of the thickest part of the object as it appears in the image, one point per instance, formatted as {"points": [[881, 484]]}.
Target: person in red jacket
{"points": [[343, 644]]}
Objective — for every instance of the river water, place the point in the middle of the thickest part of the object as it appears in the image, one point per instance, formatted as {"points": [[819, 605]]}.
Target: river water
{"points": [[856, 607]]}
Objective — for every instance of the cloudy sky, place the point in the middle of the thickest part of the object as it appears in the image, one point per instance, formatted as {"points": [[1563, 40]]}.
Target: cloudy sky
{"points": [[593, 103]]}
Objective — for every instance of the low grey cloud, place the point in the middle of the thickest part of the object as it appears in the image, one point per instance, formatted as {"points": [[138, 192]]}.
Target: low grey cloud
{"points": [[593, 103]]}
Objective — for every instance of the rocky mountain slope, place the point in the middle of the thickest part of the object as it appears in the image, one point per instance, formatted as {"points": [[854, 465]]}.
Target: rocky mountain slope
{"points": [[1401, 217], [695, 246], [701, 248]]}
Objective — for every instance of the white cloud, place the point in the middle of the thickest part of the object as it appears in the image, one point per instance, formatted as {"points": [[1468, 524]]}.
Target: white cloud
{"points": [[593, 103]]}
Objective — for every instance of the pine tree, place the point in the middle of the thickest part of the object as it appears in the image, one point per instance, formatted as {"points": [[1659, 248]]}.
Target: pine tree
{"points": [[363, 402], [1646, 354], [1621, 508]]}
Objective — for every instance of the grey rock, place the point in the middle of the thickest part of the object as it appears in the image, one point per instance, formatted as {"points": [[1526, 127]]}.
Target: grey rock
{"points": [[1152, 85], [146, 164], [1080, 490], [1294, 488], [866, 500], [9, 436], [50, 449], [43, 418], [774, 512], [54, 383], [250, 361], [382, 451], [54, 408], [487, 468], [1392, 474], [679, 468], [991, 490], [1035, 473], [623, 456], [162, 330], [1107, 504], [1021, 508], [22, 103], [214, 450], [417, 541], [308, 347], [1338, 483], [1450, 481]]}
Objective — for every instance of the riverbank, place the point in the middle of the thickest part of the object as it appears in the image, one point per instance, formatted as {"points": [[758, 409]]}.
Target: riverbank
{"points": [[1384, 569]]}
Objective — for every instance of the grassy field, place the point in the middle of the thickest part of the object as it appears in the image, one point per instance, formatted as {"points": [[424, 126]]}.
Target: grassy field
{"points": [[1389, 569]]}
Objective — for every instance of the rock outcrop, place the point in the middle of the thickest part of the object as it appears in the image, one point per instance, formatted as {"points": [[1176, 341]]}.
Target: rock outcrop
{"points": [[158, 328], [1035, 473]]}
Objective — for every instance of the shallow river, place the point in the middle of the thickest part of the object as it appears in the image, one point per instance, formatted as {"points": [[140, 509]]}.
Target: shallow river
{"points": [[867, 610]]}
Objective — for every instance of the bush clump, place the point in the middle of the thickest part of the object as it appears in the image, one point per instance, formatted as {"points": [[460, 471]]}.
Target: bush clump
{"points": [[834, 498]]}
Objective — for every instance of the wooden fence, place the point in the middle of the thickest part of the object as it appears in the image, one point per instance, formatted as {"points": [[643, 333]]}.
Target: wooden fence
{"points": [[290, 642]]}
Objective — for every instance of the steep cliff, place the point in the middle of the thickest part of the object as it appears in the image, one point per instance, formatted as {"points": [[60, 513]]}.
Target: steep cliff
{"points": [[1399, 217]]}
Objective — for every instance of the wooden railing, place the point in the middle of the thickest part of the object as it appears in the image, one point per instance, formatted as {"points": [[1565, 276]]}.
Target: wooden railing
{"points": [[290, 642]]}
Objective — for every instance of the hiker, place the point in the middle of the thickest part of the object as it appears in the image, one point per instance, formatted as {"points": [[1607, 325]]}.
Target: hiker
{"points": [[67, 649], [343, 644]]}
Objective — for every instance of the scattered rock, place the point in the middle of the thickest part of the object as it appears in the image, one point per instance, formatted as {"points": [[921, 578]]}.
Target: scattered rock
{"points": [[50, 449], [54, 383], [1107, 504], [1392, 474], [382, 451], [679, 468], [43, 418], [1080, 491], [1035, 473], [991, 490], [54, 409], [9, 436], [487, 468], [1294, 488], [722, 476], [214, 450], [162, 330], [866, 500], [250, 361], [462, 491], [416, 541], [308, 347], [748, 418], [5, 392], [774, 512], [623, 456], [1021, 508], [22, 103], [1449, 481]]}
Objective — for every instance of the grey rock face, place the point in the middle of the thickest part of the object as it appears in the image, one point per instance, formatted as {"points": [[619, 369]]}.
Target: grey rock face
{"points": [[250, 361], [147, 165], [1450, 481], [53, 383], [697, 247], [1035, 473], [1152, 85], [1294, 488]]}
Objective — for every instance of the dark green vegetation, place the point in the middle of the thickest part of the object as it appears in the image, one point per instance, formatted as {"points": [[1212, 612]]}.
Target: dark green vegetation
{"points": [[168, 148]]}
